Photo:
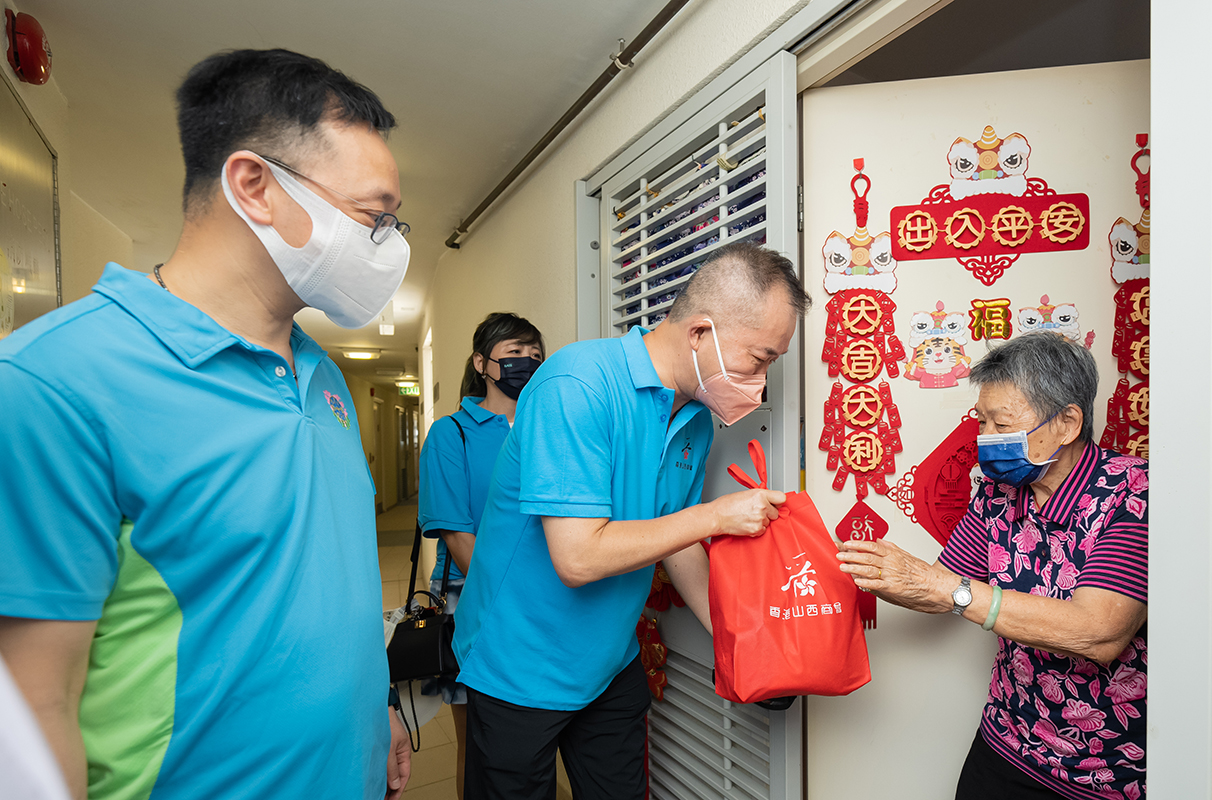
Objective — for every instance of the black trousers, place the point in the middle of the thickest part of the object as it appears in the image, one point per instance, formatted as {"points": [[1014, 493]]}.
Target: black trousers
{"points": [[511, 749], [988, 776]]}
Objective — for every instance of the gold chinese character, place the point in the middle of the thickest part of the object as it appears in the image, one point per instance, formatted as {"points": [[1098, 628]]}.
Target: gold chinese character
{"points": [[1140, 306], [861, 315], [917, 231], [1138, 406], [965, 229], [861, 406], [861, 361], [1140, 356], [863, 451], [990, 319], [1012, 226], [1061, 223]]}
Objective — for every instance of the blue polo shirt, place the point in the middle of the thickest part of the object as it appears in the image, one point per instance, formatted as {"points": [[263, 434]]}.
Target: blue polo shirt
{"points": [[172, 480], [455, 476], [592, 438]]}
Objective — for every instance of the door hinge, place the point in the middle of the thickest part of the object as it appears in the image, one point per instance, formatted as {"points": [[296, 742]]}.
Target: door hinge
{"points": [[799, 190]]}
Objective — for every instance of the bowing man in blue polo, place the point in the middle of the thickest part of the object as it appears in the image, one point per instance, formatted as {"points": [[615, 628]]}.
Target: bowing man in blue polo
{"points": [[456, 468], [600, 478]]}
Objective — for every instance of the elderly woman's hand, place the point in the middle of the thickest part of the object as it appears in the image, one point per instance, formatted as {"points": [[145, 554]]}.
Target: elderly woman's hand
{"points": [[898, 577]]}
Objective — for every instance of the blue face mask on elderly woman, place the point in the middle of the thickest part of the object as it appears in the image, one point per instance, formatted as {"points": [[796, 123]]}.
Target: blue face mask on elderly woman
{"points": [[1004, 457]]}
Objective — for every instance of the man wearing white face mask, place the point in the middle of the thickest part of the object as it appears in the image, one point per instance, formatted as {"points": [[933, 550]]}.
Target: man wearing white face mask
{"points": [[191, 606], [601, 477]]}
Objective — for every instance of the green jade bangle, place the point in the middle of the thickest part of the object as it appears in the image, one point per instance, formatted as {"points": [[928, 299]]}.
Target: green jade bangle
{"points": [[995, 605]]}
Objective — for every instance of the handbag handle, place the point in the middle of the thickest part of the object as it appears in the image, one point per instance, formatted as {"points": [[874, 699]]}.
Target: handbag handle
{"points": [[758, 456]]}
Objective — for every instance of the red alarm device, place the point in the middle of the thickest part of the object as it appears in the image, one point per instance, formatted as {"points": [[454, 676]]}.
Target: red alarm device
{"points": [[29, 52]]}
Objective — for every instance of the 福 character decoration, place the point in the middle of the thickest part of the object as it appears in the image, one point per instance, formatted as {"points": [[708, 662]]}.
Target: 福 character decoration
{"points": [[936, 492], [862, 523], [861, 420], [937, 339], [991, 212], [1127, 428]]}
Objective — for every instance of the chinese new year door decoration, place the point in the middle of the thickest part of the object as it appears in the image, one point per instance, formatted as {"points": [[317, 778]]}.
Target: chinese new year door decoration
{"points": [[1063, 319], [862, 523], [937, 341], [936, 492], [991, 212], [1127, 428], [861, 421], [653, 653]]}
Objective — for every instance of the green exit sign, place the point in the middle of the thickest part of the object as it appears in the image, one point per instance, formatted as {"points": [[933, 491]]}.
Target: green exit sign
{"points": [[413, 391]]}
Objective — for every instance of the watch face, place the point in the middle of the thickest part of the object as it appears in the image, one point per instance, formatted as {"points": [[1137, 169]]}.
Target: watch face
{"points": [[962, 596]]}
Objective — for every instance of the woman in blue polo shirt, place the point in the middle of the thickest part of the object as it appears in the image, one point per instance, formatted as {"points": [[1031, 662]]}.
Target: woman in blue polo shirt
{"points": [[457, 461]]}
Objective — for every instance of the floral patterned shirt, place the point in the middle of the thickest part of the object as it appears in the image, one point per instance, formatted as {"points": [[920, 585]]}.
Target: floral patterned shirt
{"points": [[1074, 725]]}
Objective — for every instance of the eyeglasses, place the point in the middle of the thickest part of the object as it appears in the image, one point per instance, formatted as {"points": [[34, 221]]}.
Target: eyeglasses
{"points": [[384, 223]]}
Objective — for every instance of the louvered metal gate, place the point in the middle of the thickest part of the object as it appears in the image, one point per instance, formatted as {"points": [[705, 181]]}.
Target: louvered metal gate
{"points": [[727, 174]]}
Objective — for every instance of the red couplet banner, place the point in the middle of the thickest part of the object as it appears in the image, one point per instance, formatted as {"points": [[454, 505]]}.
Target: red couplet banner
{"points": [[991, 225]]}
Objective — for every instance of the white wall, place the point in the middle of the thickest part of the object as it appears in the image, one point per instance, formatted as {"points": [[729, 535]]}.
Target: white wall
{"points": [[1180, 541], [930, 674], [521, 256], [87, 239]]}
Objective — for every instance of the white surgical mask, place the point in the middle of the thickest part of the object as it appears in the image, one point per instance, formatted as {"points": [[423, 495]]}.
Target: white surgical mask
{"points": [[339, 271]]}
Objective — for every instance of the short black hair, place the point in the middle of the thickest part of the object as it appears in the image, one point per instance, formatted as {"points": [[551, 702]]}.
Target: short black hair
{"points": [[500, 326], [262, 100]]}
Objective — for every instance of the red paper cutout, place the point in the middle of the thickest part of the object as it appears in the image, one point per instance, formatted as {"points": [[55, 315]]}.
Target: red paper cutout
{"points": [[935, 494], [991, 212], [1128, 408], [862, 523], [861, 261], [662, 594], [860, 342], [990, 319], [653, 656]]}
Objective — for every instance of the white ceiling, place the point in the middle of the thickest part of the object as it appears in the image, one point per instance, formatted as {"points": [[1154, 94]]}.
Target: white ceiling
{"points": [[473, 85]]}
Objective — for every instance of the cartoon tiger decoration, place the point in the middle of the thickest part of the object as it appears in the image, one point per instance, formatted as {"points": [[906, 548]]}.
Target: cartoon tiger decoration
{"points": [[938, 363]]}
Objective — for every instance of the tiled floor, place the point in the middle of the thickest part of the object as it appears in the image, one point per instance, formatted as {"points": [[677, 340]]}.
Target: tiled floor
{"points": [[433, 766], [396, 527]]}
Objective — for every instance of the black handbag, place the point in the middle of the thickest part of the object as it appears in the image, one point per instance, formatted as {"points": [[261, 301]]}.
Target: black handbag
{"points": [[422, 645]]}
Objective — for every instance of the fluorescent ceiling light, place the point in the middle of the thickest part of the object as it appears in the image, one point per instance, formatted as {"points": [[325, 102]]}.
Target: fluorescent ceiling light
{"points": [[406, 384], [362, 354]]}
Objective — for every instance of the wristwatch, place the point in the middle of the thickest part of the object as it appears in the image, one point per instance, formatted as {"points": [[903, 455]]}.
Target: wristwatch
{"points": [[962, 597]]}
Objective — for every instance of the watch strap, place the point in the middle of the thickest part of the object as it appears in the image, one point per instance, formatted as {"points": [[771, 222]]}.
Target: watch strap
{"points": [[966, 587]]}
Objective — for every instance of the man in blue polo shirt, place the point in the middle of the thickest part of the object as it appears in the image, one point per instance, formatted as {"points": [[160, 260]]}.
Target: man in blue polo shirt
{"points": [[190, 596], [600, 478]]}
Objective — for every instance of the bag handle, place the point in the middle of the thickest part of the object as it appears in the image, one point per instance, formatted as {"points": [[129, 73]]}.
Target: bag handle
{"points": [[758, 456]]}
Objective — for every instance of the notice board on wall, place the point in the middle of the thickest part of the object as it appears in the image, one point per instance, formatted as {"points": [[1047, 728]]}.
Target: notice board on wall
{"points": [[29, 235]]}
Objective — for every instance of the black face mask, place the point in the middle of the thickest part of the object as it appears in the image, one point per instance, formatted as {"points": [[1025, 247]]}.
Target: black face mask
{"points": [[515, 374]]}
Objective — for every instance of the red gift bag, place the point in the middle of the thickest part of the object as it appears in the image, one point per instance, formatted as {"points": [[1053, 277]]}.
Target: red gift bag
{"points": [[786, 618]]}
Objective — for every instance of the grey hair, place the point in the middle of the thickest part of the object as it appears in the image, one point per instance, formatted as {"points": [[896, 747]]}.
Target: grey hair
{"points": [[734, 282], [1050, 370]]}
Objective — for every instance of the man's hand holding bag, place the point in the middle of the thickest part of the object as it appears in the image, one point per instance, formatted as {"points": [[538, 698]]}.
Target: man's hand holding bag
{"points": [[785, 617]]}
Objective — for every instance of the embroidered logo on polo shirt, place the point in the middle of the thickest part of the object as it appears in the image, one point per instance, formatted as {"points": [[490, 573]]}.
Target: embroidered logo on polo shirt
{"points": [[687, 451], [338, 408]]}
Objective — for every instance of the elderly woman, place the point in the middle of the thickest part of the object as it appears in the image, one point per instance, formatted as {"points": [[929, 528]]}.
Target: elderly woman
{"points": [[1051, 557]]}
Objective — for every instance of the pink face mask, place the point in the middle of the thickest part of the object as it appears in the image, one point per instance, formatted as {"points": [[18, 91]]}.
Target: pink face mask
{"points": [[729, 397]]}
